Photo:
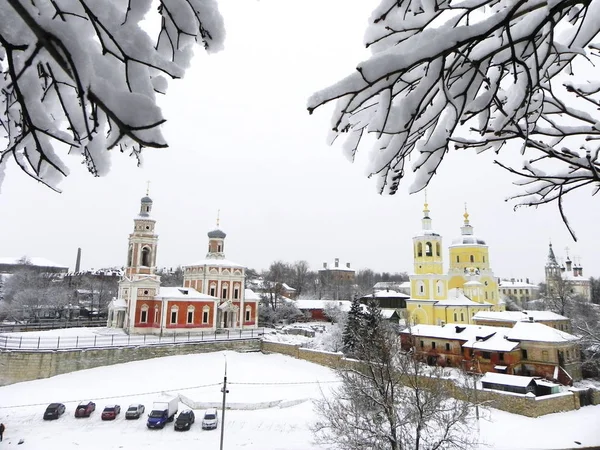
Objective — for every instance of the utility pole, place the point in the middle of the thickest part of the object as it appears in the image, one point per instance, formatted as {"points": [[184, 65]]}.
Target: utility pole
{"points": [[224, 391]]}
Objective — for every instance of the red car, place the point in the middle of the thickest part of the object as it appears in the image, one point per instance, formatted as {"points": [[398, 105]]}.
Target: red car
{"points": [[111, 412], [84, 409]]}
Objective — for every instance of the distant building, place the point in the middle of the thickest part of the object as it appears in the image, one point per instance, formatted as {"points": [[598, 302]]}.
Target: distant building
{"points": [[336, 281], [567, 275], [519, 290], [510, 318], [12, 265]]}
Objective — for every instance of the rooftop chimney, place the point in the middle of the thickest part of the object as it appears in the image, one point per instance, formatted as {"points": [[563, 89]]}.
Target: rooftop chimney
{"points": [[337, 262], [348, 265], [324, 265]]}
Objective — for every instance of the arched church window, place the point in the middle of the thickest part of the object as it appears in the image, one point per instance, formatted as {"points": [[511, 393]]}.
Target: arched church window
{"points": [[437, 249], [174, 311], [156, 314], [219, 248], [213, 290], [428, 249], [130, 257], [144, 314], [421, 287], [205, 314], [472, 258], [190, 314], [419, 249], [248, 313], [146, 257], [457, 258]]}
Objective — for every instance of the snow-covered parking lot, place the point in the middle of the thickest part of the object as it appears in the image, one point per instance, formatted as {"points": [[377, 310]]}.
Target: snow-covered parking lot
{"points": [[253, 378]]}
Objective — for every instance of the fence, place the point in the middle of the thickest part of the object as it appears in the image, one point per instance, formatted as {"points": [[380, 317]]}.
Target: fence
{"points": [[51, 325], [120, 340]]}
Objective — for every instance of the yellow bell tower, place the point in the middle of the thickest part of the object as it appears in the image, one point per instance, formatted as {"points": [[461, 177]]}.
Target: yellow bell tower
{"points": [[469, 266], [428, 281]]}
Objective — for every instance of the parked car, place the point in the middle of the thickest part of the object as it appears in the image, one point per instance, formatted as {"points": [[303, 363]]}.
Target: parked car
{"points": [[134, 411], [111, 412], [84, 409], [54, 411], [184, 420], [211, 419]]}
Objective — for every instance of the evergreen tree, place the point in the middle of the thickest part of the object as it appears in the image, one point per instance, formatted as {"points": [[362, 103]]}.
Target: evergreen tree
{"points": [[353, 328]]}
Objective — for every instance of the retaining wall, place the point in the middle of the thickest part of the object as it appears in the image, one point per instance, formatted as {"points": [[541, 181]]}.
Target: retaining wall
{"points": [[17, 366], [513, 403]]}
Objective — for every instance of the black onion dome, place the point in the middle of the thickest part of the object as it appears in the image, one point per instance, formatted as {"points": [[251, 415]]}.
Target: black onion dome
{"points": [[216, 234]]}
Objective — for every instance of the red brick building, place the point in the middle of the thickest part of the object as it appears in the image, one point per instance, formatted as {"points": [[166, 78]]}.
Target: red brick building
{"points": [[213, 296]]}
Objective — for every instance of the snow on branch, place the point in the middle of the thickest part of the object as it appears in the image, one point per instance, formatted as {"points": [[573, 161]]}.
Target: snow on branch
{"points": [[85, 74], [476, 74]]}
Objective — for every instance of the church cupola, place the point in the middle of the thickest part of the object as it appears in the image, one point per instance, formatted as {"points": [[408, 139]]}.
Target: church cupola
{"points": [[216, 243], [146, 206]]}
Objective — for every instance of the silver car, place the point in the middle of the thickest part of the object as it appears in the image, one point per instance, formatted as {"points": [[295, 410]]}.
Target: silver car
{"points": [[134, 412]]}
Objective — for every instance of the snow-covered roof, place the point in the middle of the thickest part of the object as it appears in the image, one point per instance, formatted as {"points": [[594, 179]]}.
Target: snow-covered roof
{"points": [[467, 240], [538, 332], [387, 294], [518, 316], [215, 263], [473, 283], [497, 342], [451, 331], [344, 305], [249, 294], [517, 284], [457, 297], [507, 380], [34, 261], [118, 303], [183, 293]]}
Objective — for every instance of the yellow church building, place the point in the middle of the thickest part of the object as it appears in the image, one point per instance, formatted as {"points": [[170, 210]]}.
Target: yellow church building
{"points": [[467, 288]]}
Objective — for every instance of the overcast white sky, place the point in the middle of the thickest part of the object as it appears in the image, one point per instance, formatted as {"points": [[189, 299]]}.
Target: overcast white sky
{"points": [[242, 142]]}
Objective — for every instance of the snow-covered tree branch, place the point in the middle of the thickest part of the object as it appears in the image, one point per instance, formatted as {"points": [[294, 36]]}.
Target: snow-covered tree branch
{"points": [[85, 74], [476, 74]]}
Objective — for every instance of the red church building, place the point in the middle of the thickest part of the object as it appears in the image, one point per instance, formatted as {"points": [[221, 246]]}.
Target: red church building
{"points": [[212, 298]]}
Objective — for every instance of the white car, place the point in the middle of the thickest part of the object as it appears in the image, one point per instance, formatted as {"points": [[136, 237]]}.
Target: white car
{"points": [[210, 419], [134, 412]]}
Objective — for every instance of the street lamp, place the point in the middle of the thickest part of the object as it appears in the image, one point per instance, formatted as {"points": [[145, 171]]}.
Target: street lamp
{"points": [[224, 390]]}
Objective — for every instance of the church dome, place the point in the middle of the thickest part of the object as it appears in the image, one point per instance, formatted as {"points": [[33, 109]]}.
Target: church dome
{"points": [[216, 234], [146, 199], [468, 240]]}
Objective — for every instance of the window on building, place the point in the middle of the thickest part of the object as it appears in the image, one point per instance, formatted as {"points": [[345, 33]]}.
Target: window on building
{"points": [[486, 355], [501, 356], [205, 314], [146, 257], [433, 345], [219, 248], [224, 293], [437, 249], [486, 295], [156, 314], [248, 314], [236, 293], [457, 258], [544, 355], [520, 291], [523, 353], [144, 314], [568, 355], [455, 317], [130, 257], [484, 259], [213, 290], [428, 249], [462, 317], [174, 310], [447, 347], [422, 344], [419, 249], [471, 258], [190, 314]]}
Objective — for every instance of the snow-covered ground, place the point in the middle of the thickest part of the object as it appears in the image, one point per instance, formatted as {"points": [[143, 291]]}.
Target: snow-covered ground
{"points": [[271, 397], [252, 378]]}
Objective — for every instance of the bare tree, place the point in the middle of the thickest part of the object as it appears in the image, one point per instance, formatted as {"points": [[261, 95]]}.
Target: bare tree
{"points": [[477, 75], [300, 277], [559, 295], [389, 401], [84, 74]]}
